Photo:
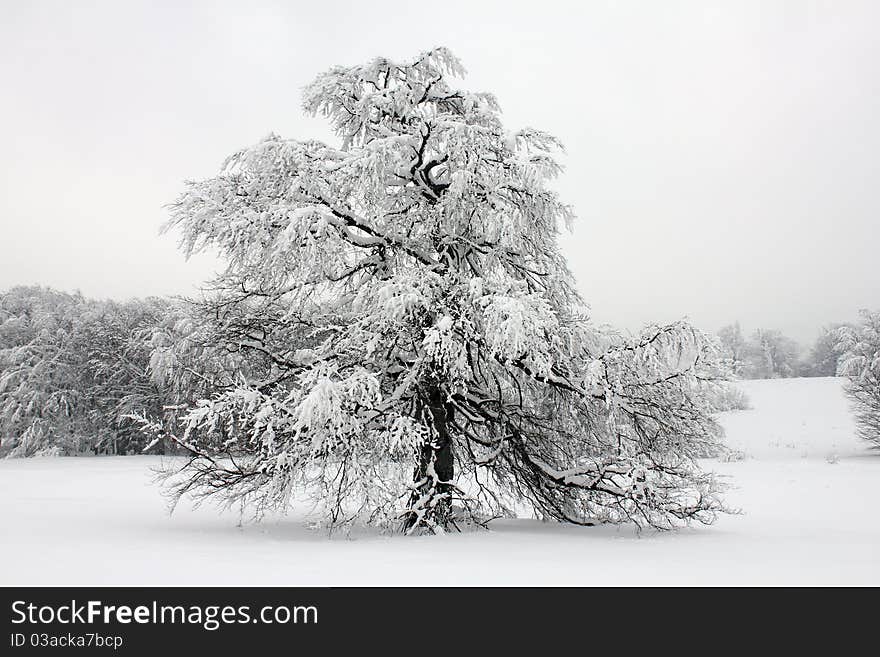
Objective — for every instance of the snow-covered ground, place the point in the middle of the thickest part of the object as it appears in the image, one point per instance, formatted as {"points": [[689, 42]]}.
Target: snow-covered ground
{"points": [[808, 489]]}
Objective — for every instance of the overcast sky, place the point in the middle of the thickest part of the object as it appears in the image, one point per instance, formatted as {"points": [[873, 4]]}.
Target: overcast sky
{"points": [[722, 159]]}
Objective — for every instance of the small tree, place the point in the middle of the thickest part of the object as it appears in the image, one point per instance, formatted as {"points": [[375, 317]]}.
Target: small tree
{"points": [[417, 349], [861, 364], [734, 347]]}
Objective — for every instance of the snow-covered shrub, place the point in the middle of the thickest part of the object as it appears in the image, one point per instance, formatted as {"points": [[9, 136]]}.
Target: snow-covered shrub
{"points": [[861, 365], [414, 341], [733, 455], [729, 397]]}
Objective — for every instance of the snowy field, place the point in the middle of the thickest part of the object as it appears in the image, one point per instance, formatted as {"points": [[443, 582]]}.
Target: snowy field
{"points": [[808, 489]]}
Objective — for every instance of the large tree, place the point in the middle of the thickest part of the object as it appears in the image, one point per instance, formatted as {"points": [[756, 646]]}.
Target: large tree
{"points": [[417, 350]]}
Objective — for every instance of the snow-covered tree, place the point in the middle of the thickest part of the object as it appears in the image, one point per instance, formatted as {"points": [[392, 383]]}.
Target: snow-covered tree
{"points": [[43, 408], [417, 352], [861, 364], [734, 347], [120, 356], [772, 355], [191, 359], [826, 352]]}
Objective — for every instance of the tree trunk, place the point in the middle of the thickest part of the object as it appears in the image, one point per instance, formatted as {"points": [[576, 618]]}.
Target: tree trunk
{"points": [[444, 464], [438, 452]]}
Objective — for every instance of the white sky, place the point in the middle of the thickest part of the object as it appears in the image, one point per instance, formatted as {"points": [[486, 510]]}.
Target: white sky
{"points": [[723, 159]]}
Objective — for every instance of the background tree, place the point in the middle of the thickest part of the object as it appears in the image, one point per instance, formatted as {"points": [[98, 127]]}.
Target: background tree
{"points": [[120, 356], [43, 373], [734, 347], [826, 353], [861, 364], [423, 355], [771, 355]]}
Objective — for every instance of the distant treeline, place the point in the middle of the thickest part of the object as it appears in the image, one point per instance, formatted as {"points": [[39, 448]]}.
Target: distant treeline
{"points": [[75, 371], [847, 350], [87, 376], [72, 368], [769, 354]]}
